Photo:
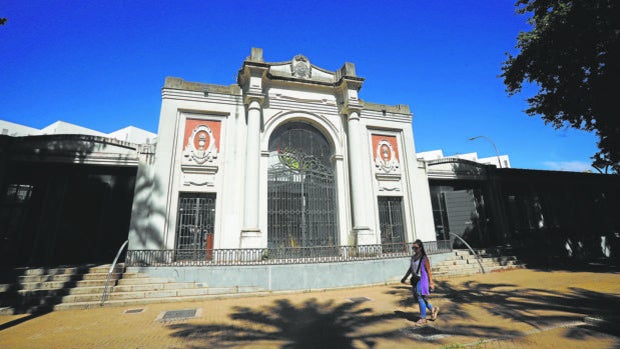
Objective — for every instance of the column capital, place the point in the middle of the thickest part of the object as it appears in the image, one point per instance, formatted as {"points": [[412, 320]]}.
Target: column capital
{"points": [[251, 75], [250, 97], [352, 109]]}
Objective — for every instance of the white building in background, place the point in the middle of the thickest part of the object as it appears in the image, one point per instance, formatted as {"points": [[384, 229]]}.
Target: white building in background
{"points": [[128, 134], [500, 161], [290, 156], [16, 130]]}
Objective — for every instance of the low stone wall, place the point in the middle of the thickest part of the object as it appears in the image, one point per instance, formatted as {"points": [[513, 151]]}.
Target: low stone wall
{"points": [[290, 277]]}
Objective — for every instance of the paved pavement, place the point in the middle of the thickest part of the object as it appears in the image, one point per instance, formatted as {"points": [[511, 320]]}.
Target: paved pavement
{"points": [[513, 309]]}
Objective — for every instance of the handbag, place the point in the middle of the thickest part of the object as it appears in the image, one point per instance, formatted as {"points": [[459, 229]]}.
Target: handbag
{"points": [[414, 277]]}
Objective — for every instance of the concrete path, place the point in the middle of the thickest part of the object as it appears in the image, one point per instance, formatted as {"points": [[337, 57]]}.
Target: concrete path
{"points": [[513, 309]]}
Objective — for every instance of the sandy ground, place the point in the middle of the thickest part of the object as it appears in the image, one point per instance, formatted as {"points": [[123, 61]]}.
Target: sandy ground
{"points": [[513, 309]]}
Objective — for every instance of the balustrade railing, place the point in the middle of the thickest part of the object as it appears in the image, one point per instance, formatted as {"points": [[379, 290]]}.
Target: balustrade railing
{"points": [[283, 255]]}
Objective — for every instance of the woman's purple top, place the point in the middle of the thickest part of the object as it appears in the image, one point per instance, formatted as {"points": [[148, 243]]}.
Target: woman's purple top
{"points": [[423, 274]]}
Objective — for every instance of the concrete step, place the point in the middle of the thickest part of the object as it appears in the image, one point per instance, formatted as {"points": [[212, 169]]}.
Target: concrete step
{"points": [[48, 278], [473, 270], [90, 283], [66, 277], [242, 292], [40, 293], [49, 271], [484, 261], [142, 281], [133, 274], [148, 291], [47, 285], [452, 262], [473, 265], [471, 259], [130, 288], [7, 311], [462, 252], [155, 287], [53, 285], [507, 267], [128, 292], [104, 269], [71, 270], [101, 276]]}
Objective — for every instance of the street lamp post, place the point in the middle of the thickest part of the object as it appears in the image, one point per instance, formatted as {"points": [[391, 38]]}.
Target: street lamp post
{"points": [[499, 161]]}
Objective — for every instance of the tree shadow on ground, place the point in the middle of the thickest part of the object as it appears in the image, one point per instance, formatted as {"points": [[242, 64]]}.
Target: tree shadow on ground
{"points": [[444, 290], [308, 325], [536, 307]]}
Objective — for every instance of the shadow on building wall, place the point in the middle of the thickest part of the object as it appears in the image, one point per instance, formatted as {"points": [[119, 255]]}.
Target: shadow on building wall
{"points": [[147, 220]]}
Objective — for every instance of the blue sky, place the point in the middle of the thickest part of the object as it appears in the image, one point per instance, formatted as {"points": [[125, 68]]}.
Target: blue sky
{"points": [[101, 64]]}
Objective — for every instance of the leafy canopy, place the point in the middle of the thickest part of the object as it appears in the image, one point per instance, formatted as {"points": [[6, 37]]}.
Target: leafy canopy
{"points": [[572, 53]]}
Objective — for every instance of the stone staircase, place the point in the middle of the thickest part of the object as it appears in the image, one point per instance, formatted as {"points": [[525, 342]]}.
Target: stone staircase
{"points": [[43, 290], [463, 262], [47, 289]]}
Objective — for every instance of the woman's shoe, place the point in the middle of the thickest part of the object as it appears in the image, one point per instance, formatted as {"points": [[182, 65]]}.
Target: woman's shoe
{"points": [[434, 314], [421, 322]]}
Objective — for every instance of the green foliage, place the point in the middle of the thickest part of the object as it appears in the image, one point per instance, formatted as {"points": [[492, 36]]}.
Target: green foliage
{"points": [[572, 53], [297, 160]]}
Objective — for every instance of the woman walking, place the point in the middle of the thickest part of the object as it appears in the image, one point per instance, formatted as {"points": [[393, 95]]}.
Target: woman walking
{"points": [[421, 281]]}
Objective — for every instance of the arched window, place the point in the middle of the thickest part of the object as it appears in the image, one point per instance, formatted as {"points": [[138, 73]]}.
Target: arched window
{"points": [[302, 210]]}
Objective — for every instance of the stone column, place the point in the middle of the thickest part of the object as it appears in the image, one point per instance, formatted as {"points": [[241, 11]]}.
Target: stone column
{"points": [[250, 79], [359, 188], [351, 106], [250, 233]]}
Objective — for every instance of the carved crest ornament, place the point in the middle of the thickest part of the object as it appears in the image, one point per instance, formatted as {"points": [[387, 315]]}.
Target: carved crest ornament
{"points": [[385, 157], [201, 146], [300, 67]]}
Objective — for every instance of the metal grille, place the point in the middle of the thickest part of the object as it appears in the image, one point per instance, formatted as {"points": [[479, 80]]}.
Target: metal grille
{"points": [[179, 314], [288, 255], [195, 226], [391, 221], [302, 210]]}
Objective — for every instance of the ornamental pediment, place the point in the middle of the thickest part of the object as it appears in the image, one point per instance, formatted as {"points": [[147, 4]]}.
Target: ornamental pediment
{"points": [[300, 68]]}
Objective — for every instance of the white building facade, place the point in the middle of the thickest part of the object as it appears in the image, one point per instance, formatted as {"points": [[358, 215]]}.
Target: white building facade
{"points": [[499, 161], [289, 156]]}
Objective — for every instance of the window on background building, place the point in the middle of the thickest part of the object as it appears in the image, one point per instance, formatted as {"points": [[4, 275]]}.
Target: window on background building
{"points": [[18, 193], [440, 215]]}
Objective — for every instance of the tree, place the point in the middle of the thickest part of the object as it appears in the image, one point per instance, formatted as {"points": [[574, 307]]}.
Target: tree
{"points": [[572, 53]]}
